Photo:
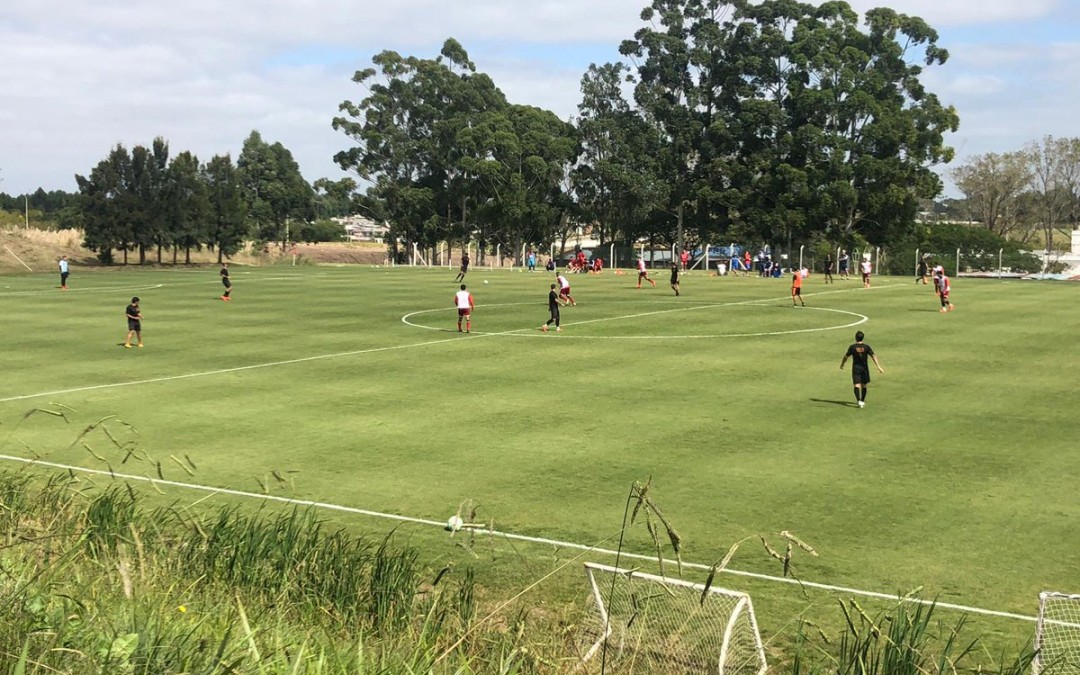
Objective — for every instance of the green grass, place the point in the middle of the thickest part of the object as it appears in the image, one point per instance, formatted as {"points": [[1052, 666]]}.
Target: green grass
{"points": [[958, 477]]}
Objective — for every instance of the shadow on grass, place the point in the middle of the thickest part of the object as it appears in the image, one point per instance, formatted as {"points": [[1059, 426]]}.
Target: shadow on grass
{"points": [[846, 404]]}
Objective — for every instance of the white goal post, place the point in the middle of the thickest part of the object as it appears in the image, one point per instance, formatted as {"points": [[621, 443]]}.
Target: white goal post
{"points": [[1057, 635], [653, 624]]}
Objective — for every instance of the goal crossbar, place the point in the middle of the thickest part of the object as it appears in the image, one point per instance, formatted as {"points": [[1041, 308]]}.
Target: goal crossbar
{"points": [[701, 629]]}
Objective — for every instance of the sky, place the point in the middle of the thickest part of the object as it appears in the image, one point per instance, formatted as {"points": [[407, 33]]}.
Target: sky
{"points": [[79, 77]]}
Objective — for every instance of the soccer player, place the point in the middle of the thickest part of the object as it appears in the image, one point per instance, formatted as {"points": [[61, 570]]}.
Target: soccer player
{"points": [[829, 269], [796, 287], [642, 273], [844, 261], [865, 267], [675, 278], [944, 288], [531, 259], [939, 272], [134, 320], [747, 263], [464, 302], [921, 274], [564, 289], [684, 259], [63, 272], [226, 282], [860, 367], [464, 267], [553, 309]]}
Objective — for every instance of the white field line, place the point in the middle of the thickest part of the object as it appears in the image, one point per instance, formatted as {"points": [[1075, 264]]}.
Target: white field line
{"points": [[513, 536], [237, 369]]}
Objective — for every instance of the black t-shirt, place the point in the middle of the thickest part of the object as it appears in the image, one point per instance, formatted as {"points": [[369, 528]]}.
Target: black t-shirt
{"points": [[860, 353], [674, 275], [553, 300], [132, 311], [225, 272], [464, 262]]}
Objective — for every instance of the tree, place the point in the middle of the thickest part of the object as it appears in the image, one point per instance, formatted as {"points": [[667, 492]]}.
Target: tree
{"points": [[109, 204], [333, 198], [993, 185], [227, 224], [187, 206], [1054, 167], [616, 181], [275, 190]]}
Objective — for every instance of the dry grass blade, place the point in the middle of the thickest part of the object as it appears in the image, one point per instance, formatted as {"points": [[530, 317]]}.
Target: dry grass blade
{"points": [[160, 475], [94, 454], [769, 549], [799, 542], [182, 465], [191, 463]]}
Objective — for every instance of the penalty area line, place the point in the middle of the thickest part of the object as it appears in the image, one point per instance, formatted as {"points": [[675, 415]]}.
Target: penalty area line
{"points": [[516, 537]]}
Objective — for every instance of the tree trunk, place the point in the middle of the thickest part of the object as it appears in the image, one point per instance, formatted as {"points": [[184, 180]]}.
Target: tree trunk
{"points": [[187, 255], [125, 254], [219, 254], [159, 253], [142, 254], [174, 253]]}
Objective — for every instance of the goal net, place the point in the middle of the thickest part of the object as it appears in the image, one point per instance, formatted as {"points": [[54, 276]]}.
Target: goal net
{"points": [[1057, 635], [651, 624]]}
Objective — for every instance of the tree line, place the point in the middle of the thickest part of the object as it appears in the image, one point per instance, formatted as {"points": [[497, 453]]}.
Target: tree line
{"points": [[145, 201], [773, 121], [1027, 194]]}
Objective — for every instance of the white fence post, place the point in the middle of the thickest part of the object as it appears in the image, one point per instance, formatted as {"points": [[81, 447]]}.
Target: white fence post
{"points": [[957, 263], [611, 258], [707, 261], [801, 248], [1000, 252], [917, 251], [498, 253], [877, 260]]}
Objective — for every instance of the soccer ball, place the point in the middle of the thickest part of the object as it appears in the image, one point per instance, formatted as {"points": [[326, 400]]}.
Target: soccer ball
{"points": [[485, 281], [455, 523]]}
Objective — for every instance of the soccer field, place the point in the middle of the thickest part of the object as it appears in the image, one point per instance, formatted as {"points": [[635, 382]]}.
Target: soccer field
{"points": [[352, 384]]}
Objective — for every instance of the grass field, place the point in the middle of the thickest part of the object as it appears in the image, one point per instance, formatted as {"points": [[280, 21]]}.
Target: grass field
{"points": [[959, 477]]}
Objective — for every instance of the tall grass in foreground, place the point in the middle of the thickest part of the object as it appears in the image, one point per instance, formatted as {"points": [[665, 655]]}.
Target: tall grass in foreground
{"points": [[91, 581], [94, 583]]}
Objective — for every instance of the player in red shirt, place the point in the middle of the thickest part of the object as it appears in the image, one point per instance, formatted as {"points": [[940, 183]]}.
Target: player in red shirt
{"points": [[463, 300], [642, 273], [684, 258], [944, 289]]}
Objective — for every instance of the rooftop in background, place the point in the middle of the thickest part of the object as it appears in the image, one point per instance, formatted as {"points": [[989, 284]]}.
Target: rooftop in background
{"points": [[360, 228]]}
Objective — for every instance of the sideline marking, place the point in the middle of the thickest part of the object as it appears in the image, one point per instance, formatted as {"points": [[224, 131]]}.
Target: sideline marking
{"points": [[237, 369], [518, 537], [98, 289]]}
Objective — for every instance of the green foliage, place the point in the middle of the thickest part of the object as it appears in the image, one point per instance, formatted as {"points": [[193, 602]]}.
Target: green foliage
{"points": [[320, 230], [275, 191], [978, 246]]}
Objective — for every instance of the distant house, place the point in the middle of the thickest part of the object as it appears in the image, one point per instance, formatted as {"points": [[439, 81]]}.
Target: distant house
{"points": [[359, 228]]}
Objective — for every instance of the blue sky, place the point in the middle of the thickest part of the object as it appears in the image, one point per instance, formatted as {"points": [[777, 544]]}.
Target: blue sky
{"points": [[80, 77]]}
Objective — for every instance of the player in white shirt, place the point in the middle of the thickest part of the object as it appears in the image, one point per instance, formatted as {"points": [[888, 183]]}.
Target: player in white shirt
{"points": [[643, 274], [564, 290], [63, 272], [865, 267], [465, 305]]}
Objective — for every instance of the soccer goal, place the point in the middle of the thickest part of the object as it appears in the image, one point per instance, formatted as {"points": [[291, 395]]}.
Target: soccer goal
{"points": [[1057, 635], [651, 624]]}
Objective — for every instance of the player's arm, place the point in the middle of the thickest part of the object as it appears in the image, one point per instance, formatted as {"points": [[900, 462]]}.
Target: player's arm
{"points": [[472, 305], [844, 360], [879, 368]]}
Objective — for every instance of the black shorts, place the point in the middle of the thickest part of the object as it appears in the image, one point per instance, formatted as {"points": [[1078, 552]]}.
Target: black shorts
{"points": [[944, 299], [63, 276], [225, 282], [860, 376], [797, 291], [134, 325]]}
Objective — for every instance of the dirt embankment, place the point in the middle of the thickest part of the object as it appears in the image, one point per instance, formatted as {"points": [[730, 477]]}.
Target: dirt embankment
{"points": [[39, 250]]}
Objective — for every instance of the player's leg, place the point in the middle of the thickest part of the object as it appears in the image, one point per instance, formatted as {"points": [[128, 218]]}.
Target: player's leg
{"points": [[127, 340], [138, 335]]}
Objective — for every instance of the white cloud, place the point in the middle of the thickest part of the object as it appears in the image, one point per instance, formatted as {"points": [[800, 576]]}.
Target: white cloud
{"points": [[82, 76]]}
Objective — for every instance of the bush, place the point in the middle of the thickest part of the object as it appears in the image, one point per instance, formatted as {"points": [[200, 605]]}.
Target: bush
{"points": [[978, 250]]}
